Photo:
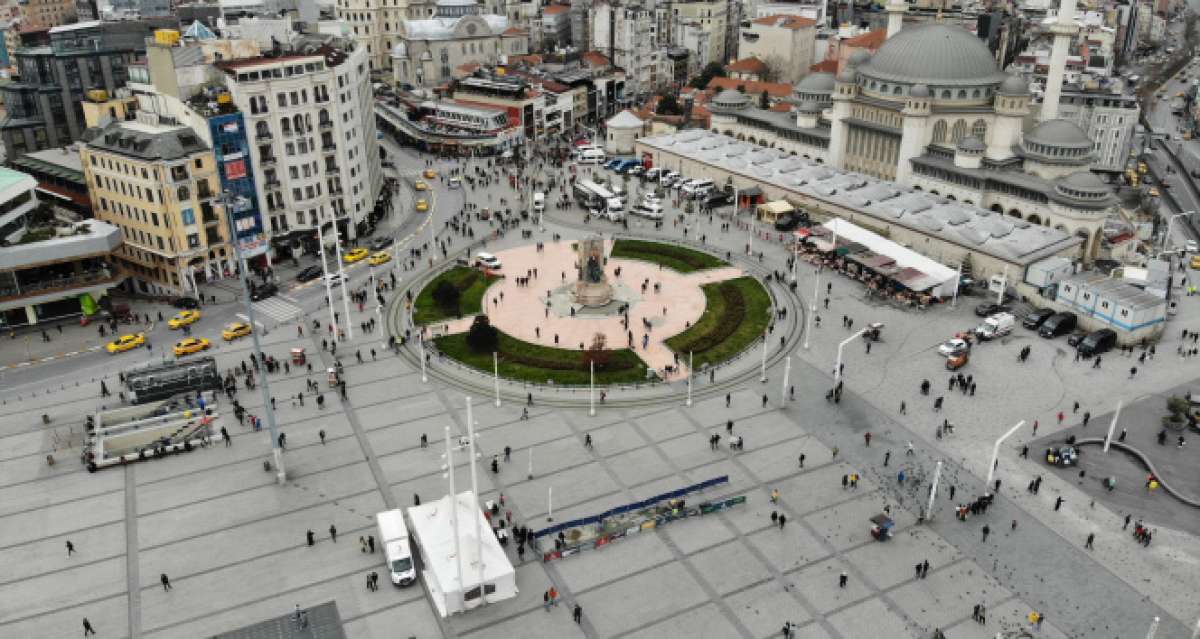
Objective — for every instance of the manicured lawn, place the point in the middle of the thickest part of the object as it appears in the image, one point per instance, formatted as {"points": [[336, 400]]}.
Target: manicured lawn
{"points": [[471, 284], [534, 363], [736, 313], [676, 258]]}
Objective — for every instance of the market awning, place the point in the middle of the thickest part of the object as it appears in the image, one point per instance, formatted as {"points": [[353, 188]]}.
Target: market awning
{"points": [[753, 191]]}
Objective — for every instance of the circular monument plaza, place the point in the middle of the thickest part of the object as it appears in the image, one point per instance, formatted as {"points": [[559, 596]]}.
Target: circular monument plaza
{"points": [[635, 309]]}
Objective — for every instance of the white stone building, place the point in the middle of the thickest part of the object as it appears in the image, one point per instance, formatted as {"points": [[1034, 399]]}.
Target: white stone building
{"points": [[430, 49], [784, 42], [622, 132], [311, 123]]}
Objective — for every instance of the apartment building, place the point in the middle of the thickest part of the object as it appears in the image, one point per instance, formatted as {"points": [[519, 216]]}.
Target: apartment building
{"points": [[157, 181], [313, 148], [784, 43], [699, 26], [46, 13], [42, 103], [1110, 121], [628, 36]]}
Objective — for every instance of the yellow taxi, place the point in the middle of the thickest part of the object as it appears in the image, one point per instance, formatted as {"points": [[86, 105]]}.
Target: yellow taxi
{"points": [[235, 330], [183, 318], [422, 205], [191, 345], [429, 174], [355, 255], [126, 343], [382, 257], [421, 186], [1195, 264]]}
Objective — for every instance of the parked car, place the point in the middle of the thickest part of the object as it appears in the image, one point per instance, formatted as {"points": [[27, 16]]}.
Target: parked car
{"points": [[263, 291], [716, 199], [185, 302], [786, 222], [334, 277], [1058, 324], [487, 260], [954, 347], [183, 318], [1035, 319], [997, 325], [649, 210], [991, 308], [1098, 342], [309, 273], [380, 243]]}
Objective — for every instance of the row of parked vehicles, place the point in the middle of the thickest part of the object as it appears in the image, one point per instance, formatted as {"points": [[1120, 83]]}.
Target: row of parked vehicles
{"points": [[1048, 324]]}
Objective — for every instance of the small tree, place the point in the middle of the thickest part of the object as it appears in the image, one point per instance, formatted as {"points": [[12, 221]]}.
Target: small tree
{"points": [[482, 337], [668, 104], [710, 71], [1179, 409], [598, 352], [447, 297]]}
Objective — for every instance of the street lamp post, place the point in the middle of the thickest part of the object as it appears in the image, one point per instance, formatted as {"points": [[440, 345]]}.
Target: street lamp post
{"points": [[496, 376], [691, 374], [325, 278], [1112, 426], [337, 250], [454, 519], [475, 514], [937, 476], [1167, 234], [987, 487], [787, 372], [229, 200], [837, 367], [763, 374]]}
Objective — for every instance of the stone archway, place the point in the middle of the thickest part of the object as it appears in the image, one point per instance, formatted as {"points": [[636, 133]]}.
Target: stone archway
{"points": [[917, 187], [968, 203], [1033, 219], [951, 198], [741, 137], [1015, 213], [996, 208], [934, 193]]}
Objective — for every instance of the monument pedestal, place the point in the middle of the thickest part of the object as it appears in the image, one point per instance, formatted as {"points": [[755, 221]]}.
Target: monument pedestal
{"points": [[593, 293]]}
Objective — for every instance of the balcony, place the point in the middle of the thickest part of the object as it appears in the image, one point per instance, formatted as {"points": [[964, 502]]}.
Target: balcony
{"points": [[272, 183], [327, 125], [9, 291], [329, 147], [267, 161], [263, 135]]}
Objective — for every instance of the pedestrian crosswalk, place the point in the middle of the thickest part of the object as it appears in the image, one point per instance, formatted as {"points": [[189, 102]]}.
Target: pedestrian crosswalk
{"points": [[279, 308]]}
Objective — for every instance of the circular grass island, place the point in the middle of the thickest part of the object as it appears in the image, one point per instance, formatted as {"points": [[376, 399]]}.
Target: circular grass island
{"points": [[678, 300]]}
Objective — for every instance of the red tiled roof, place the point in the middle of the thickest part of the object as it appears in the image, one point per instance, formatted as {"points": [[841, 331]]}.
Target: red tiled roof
{"points": [[782, 107], [869, 40], [532, 59], [747, 65], [595, 58], [753, 87], [785, 21], [555, 9], [513, 31], [824, 66]]}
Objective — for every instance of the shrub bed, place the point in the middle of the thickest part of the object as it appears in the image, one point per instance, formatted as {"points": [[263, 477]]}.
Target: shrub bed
{"points": [[471, 285], [676, 258], [529, 362], [736, 313]]}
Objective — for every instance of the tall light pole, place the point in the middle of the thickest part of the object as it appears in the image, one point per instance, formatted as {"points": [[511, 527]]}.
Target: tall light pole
{"points": [[325, 278], [837, 367], [812, 308], [787, 372], [462, 587], [337, 249], [987, 487], [937, 476], [1112, 426], [763, 374], [475, 514], [230, 202], [691, 374], [496, 374], [592, 388]]}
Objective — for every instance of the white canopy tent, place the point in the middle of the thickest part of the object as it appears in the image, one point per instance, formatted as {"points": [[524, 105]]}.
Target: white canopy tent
{"points": [[453, 583], [939, 279]]}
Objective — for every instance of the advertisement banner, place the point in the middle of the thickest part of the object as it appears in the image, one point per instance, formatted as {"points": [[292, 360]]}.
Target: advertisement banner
{"points": [[602, 541], [235, 169]]}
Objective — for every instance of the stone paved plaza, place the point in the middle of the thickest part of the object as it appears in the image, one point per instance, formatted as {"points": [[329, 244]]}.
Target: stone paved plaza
{"points": [[233, 541]]}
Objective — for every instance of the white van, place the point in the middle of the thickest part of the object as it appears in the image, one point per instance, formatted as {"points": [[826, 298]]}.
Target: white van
{"points": [[539, 202], [487, 260], [649, 210], [591, 156], [998, 325], [393, 537], [697, 188]]}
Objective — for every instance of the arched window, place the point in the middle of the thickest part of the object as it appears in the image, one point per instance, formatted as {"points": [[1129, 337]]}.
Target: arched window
{"points": [[959, 131], [946, 94], [183, 194], [962, 94], [262, 129], [896, 90], [939, 132], [975, 93], [298, 123], [979, 129]]}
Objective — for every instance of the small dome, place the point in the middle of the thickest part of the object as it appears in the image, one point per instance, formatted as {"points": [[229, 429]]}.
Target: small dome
{"points": [[847, 75], [919, 91], [815, 83], [858, 57], [1084, 181], [971, 144], [1083, 189], [1059, 133], [1014, 85], [730, 99]]}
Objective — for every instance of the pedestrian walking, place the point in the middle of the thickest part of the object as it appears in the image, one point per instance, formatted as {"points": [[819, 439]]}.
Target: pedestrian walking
{"points": [[578, 613], [370, 583], [333, 532], [362, 543], [587, 441], [166, 581], [867, 438], [909, 450], [321, 434], [782, 520], [87, 627], [312, 539], [1125, 527], [1091, 538], [924, 569], [903, 408], [1058, 503], [986, 531], [843, 579], [546, 600], [71, 546], [887, 457]]}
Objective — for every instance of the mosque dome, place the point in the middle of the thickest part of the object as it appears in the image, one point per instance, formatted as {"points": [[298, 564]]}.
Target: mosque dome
{"points": [[935, 54], [1014, 85], [731, 100]]}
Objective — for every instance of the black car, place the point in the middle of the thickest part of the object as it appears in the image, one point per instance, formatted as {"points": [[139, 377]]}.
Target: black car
{"points": [[1058, 324], [1075, 338], [786, 222], [309, 274], [185, 302], [717, 199], [988, 310], [380, 243], [1097, 342], [263, 292], [1035, 319]]}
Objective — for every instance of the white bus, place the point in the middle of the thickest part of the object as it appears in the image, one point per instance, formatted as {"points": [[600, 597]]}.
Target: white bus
{"points": [[590, 156], [594, 196]]}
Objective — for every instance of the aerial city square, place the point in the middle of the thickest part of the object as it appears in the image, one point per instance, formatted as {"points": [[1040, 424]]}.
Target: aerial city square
{"points": [[600, 318]]}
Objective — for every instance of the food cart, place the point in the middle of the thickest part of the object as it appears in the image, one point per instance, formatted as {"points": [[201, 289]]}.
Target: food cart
{"points": [[333, 376], [298, 356], [1062, 456]]}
